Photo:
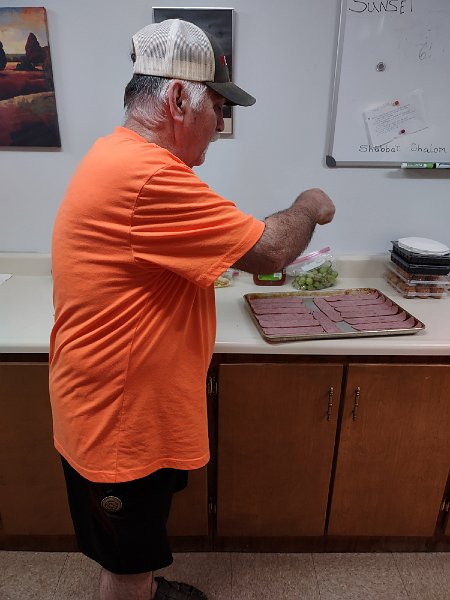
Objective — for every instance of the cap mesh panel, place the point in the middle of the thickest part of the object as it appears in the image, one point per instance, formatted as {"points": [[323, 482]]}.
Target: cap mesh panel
{"points": [[175, 49]]}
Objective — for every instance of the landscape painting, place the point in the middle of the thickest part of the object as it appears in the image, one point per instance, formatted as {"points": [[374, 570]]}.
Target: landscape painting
{"points": [[28, 116]]}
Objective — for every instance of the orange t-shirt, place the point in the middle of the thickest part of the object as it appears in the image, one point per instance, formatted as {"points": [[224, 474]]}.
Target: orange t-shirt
{"points": [[137, 244]]}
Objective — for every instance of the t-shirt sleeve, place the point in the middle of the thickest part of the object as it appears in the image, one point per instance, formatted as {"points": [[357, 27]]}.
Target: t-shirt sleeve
{"points": [[180, 224]]}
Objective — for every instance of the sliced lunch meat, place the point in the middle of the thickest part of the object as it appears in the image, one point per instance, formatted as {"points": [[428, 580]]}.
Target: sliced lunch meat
{"points": [[358, 302], [327, 324], [342, 306], [275, 317], [287, 301], [292, 330], [368, 312], [349, 297], [286, 320], [327, 309], [385, 326], [401, 316], [281, 310]]}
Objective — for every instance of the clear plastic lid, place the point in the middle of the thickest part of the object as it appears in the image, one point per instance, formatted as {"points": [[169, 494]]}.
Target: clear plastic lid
{"points": [[423, 246]]}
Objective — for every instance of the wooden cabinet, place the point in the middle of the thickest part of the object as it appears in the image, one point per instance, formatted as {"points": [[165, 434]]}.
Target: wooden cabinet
{"points": [[189, 512], [276, 436], [305, 453], [33, 501], [394, 451]]}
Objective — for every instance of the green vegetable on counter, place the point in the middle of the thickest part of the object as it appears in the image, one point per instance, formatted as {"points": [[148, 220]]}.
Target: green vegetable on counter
{"points": [[316, 279]]}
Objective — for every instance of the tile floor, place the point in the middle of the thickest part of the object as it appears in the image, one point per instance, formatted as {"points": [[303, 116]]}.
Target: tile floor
{"points": [[238, 576]]}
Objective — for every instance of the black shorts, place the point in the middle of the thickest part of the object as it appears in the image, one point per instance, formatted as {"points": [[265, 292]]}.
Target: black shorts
{"points": [[122, 526]]}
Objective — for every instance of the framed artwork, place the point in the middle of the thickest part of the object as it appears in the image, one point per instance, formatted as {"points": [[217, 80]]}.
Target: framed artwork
{"points": [[218, 22], [28, 116]]}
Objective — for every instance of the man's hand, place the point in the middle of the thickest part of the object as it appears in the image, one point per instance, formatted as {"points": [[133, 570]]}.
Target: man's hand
{"points": [[318, 204]]}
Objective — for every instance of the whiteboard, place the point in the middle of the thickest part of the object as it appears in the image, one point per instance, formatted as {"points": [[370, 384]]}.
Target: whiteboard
{"points": [[388, 49]]}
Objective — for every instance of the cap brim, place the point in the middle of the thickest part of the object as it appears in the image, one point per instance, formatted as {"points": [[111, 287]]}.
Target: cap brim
{"points": [[233, 94]]}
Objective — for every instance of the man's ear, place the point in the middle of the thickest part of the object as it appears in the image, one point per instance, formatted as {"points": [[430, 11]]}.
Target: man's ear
{"points": [[177, 100]]}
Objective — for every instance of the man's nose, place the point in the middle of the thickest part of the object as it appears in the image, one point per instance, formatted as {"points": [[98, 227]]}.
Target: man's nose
{"points": [[220, 124]]}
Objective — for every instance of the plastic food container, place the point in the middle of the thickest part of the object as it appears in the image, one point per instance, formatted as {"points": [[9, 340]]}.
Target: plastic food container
{"points": [[414, 285], [270, 279], [414, 259], [413, 268]]}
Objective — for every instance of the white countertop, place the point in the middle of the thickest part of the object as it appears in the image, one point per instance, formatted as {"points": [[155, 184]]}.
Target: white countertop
{"points": [[26, 313]]}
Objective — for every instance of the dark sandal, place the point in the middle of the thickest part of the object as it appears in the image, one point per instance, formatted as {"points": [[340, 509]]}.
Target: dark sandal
{"points": [[173, 590]]}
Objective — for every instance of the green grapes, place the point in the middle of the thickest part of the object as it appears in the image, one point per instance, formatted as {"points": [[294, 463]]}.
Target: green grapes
{"points": [[316, 279]]}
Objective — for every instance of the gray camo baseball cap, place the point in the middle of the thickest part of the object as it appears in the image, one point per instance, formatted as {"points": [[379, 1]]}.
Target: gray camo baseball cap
{"points": [[178, 49]]}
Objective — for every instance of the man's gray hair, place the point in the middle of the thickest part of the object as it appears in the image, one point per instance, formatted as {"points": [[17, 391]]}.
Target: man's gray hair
{"points": [[146, 96]]}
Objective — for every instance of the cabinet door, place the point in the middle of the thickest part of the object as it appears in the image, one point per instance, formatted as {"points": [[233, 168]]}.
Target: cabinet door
{"points": [[394, 450], [189, 512], [33, 497], [275, 447]]}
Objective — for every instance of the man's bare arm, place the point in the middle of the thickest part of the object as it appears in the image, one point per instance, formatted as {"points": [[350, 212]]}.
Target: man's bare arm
{"points": [[287, 233]]}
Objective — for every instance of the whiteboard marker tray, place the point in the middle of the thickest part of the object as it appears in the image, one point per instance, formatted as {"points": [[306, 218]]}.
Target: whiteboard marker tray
{"points": [[350, 313]]}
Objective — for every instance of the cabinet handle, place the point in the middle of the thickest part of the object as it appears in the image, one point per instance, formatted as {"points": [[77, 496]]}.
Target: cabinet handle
{"points": [[211, 386], [330, 403], [356, 404]]}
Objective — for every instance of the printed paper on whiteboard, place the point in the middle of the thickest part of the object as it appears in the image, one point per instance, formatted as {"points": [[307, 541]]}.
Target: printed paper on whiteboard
{"points": [[396, 118]]}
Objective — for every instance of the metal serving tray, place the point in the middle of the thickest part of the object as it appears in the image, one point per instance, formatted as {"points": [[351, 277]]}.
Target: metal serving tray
{"points": [[346, 330]]}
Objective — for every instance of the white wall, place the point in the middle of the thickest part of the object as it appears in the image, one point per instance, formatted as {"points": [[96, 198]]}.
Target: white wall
{"points": [[284, 55]]}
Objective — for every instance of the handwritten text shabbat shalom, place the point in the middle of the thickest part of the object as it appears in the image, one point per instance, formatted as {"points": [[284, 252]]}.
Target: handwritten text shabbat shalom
{"points": [[400, 7], [414, 147]]}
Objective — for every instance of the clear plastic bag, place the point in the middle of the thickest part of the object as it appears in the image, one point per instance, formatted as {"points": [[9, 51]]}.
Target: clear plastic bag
{"points": [[314, 271], [226, 279]]}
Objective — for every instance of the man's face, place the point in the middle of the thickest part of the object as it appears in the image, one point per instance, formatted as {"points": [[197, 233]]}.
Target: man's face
{"points": [[202, 127]]}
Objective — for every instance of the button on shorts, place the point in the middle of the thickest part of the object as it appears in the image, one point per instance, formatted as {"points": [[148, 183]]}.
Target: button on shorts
{"points": [[122, 526]]}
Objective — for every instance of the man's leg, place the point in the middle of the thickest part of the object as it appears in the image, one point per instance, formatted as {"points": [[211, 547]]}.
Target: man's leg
{"points": [[122, 526], [126, 587]]}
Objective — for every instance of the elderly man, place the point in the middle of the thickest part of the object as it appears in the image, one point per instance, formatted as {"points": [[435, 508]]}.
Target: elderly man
{"points": [[138, 243]]}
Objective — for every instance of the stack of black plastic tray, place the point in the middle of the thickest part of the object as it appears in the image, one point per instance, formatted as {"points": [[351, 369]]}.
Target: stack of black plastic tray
{"points": [[418, 275]]}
